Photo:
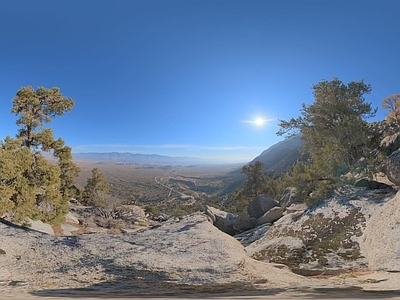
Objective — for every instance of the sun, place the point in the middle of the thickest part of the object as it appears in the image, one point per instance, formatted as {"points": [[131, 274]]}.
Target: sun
{"points": [[259, 121]]}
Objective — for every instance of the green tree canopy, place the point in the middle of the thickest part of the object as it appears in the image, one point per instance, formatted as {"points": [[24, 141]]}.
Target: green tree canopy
{"points": [[94, 188], [36, 107], [334, 127], [30, 185], [255, 181]]}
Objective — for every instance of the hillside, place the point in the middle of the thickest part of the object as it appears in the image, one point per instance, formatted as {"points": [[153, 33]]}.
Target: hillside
{"points": [[282, 155]]}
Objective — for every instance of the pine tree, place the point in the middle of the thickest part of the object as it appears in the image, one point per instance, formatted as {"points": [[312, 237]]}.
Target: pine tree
{"points": [[30, 185]]}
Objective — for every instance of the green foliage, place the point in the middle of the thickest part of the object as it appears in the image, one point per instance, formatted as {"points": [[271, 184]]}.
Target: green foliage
{"points": [[152, 210], [255, 181], [68, 170], [36, 107], [30, 185], [94, 190], [238, 202], [335, 133], [334, 126]]}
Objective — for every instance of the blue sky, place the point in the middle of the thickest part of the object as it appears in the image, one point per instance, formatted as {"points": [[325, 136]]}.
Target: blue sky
{"points": [[181, 78]]}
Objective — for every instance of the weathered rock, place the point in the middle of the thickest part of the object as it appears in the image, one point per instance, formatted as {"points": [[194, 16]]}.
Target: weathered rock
{"points": [[71, 219], [250, 236], [285, 249], [222, 220], [173, 255], [288, 197], [390, 143], [40, 226], [271, 216], [324, 238], [381, 240], [260, 205], [244, 222], [392, 167], [296, 207], [68, 229]]}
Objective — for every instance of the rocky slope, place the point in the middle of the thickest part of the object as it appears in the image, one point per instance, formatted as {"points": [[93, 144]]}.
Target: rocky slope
{"points": [[186, 257], [381, 239], [324, 239], [191, 252]]}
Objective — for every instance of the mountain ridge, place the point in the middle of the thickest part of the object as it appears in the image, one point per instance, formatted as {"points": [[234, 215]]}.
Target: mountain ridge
{"points": [[281, 155], [128, 157]]}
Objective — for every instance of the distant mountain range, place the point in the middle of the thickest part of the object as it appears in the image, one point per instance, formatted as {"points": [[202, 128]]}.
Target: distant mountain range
{"points": [[276, 158], [138, 158]]}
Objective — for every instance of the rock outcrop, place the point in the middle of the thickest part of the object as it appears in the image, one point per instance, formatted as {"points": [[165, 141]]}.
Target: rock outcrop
{"points": [[222, 220], [288, 197], [390, 143], [244, 222], [324, 239], [40, 226], [270, 216], [260, 205], [189, 252], [70, 218], [260, 210], [392, 167], [381, 240]]}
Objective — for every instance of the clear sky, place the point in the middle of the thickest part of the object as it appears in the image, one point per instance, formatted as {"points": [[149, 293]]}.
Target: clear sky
{"points": [[190, 77]]}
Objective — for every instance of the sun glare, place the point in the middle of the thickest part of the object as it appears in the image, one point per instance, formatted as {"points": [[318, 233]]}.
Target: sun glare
{"points": [[259, 121]]}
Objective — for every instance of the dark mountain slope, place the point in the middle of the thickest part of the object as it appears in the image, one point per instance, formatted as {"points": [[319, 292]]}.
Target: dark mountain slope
{"points": [[281, 155]]}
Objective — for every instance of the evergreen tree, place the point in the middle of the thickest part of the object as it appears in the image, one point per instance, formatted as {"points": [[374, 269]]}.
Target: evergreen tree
{"points": [[255, 181], [335, 134], [36, 107], [30, 185], [95, 188], [334, 127]]}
